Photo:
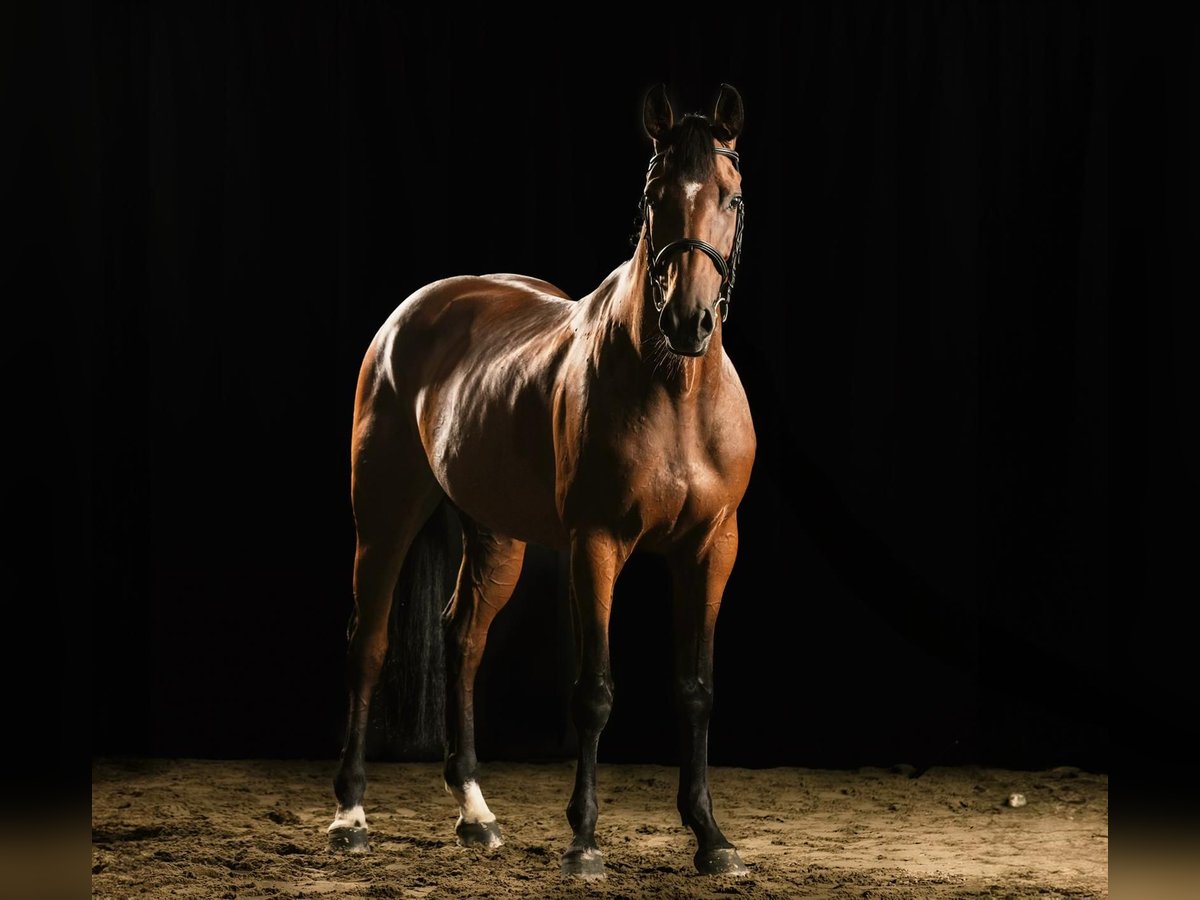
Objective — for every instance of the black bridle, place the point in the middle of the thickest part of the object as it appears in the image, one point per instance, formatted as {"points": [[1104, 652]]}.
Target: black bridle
{"points": [[726, 266]]}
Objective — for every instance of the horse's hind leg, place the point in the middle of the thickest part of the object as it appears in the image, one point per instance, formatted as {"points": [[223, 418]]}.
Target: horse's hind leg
{"points": [[490, 567], [393, 493]]}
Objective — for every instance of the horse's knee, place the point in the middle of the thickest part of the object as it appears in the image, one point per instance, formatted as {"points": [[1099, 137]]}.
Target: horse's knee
{"points": [[695, 698], [592, 702]]}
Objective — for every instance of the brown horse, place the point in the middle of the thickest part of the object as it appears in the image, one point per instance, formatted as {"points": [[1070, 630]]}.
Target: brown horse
{"points": [[595, 427]]}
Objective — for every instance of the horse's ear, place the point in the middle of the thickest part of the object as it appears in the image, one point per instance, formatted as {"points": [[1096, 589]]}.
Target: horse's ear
{"points": [[657, 117], [728, 115]]}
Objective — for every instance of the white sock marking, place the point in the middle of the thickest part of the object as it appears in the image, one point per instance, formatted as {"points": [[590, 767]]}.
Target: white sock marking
{"points": [[349, 818], [471, 805]]}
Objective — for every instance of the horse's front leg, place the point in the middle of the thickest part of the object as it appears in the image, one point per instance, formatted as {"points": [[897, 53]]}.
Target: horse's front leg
{"points": [[699, 574], [596, 559]]}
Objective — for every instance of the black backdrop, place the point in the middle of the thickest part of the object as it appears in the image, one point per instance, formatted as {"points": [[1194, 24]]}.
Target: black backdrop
{"points": [[242, 194]]}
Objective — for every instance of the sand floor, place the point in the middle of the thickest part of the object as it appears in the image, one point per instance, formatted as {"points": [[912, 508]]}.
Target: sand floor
{"points": [[189, 828]]}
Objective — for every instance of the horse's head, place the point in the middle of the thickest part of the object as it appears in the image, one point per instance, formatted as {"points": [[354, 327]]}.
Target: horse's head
{"points": [[693, 212]]}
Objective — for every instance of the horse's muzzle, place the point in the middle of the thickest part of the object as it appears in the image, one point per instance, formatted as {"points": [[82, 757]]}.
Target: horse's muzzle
{"points": [[689, 333]]}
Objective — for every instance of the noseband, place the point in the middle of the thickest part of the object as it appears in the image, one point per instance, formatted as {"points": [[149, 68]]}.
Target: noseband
{"points": [[656, 261]]}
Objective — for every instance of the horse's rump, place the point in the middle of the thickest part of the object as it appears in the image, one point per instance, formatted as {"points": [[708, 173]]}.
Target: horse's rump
{"points": [[471, 364]]}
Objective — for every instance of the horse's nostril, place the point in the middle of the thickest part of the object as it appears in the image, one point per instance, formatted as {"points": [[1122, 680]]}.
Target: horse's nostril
{"points": [[706, 322]]}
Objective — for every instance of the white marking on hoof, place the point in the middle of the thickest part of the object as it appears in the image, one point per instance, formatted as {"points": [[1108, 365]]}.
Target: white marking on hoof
{"points": [[349, 818], [471, 806]]}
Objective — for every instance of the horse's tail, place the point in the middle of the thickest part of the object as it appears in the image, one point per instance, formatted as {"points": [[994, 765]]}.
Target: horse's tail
{"points": [[411, 697]]}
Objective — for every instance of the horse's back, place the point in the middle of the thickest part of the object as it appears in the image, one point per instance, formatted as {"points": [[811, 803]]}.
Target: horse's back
{"points": [[447, 320]]}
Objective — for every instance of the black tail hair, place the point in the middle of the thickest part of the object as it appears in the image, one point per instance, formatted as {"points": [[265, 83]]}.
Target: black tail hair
{"points": [[408, 710]]}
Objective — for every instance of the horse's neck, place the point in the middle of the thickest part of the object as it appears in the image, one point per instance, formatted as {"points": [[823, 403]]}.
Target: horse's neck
{"points": [[628, 337]]}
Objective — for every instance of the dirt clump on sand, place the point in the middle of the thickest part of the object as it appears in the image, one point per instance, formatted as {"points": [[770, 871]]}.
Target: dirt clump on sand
{"points": [[189, 828]]}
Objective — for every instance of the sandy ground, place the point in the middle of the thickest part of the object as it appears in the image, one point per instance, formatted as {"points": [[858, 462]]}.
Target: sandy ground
{"points": [[191, 828]]}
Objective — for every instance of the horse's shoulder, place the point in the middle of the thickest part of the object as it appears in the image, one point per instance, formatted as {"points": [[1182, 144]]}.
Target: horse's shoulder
{"points": [[737, 405], [729, 370]]}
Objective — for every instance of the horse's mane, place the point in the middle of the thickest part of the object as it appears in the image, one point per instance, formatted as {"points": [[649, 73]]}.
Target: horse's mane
{"points": [[689, 153]]}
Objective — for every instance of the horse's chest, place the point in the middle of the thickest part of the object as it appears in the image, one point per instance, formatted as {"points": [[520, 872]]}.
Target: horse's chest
{"points": [[672, 480], [678, 493]]}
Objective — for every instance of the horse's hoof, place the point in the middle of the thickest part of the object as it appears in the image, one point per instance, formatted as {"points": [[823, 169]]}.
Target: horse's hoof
{"points": [[583, 862], [721, 861], [479, 834], [348, 840]]}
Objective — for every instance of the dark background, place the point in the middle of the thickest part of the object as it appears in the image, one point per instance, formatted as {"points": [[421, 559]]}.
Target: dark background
{"points": [[941, 381]]}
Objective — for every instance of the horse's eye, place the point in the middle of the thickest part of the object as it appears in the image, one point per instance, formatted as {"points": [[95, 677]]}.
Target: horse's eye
{"points": [[736, 202]]}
